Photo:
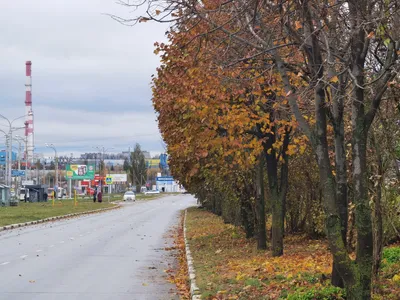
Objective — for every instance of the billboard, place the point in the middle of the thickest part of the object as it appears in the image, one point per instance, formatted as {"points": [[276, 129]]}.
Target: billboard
{"points": [[118, 177], [80, 172], [153, 163]]}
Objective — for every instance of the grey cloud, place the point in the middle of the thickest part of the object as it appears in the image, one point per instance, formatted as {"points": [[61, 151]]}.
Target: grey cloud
{"points": [[91, 75]]}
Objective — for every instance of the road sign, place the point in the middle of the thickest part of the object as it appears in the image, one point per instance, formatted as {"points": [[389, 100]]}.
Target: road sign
{"points": [[165, 178], [17, 173], [109, 180]]}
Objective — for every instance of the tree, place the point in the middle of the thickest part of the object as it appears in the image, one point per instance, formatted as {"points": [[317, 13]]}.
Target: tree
{"points": [[126, 165], [138, 167], [336, 61]]}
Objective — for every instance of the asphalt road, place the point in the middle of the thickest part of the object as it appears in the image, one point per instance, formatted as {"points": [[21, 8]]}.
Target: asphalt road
{"points": [[113, 255]]}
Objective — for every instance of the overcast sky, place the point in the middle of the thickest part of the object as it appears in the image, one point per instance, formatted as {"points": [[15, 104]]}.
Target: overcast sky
{"points": [[91, 75]]}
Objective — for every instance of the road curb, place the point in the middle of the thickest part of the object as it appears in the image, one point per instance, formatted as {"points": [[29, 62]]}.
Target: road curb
{"points": [[194, 290], [19, 225]]}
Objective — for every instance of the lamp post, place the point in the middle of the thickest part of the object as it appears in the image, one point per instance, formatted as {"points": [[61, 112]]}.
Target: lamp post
{"points": [[56, 161], [10, 131], [6, 158], [26, 154], [102, 151], [18, 180]]}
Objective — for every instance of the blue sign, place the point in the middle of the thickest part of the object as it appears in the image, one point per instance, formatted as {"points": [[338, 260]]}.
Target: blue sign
{"points": [[3, 156], [165, 178], [17, 173]]}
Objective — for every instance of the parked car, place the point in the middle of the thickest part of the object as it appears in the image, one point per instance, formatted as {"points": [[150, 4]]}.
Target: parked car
{"points": [[129, 196]]}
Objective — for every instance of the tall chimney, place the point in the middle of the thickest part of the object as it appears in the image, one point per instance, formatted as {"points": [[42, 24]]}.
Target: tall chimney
{"points": [[29, 112]]}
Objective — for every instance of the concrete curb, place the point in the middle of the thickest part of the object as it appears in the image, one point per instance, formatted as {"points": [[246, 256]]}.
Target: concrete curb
{"points": [[19, 225], [194, 290]]}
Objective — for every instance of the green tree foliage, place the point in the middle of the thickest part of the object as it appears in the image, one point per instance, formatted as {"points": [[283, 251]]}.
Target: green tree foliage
{"points": [[137, 168]]}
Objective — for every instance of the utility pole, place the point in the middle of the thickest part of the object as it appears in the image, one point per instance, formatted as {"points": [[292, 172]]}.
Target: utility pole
{"points": [[56, 162]]}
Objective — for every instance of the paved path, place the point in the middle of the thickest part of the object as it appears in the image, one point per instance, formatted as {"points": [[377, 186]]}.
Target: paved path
{"points": [[113, 255]]}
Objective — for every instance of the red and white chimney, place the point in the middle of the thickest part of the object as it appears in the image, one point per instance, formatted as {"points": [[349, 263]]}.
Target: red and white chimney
{"points": [[29, 111]]}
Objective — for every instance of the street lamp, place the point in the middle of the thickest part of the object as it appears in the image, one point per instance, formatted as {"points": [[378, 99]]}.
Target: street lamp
{"points": [[25, 140], [56, 160], [102, 151], [11, 129]]}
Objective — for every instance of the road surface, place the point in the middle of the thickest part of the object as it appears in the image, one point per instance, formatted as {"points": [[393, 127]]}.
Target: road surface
{"points": [[113, 255]]}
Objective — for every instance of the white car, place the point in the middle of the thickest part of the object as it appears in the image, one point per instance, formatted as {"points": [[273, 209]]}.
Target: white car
{"points": [[129, 196]]}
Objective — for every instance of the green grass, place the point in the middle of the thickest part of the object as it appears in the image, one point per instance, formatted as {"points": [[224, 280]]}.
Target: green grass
{"points": [[26, 212], [148, 197], [391, 255]]}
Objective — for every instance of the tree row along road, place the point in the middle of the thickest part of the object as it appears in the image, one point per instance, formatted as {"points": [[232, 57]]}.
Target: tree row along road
{"points": [[113, 255]]}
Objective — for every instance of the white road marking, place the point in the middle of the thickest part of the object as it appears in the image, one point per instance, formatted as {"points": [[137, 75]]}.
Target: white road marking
{"points": [[62, 242], [71, 238], [81, 235], [23, 256], [5, 263], [39, 250], [51, 246]]}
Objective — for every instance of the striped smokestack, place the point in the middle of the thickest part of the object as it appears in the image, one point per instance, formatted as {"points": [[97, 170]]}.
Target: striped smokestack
{"points": [[29, 111]]}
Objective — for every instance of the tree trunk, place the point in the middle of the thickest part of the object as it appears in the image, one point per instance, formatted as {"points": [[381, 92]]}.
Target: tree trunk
{"points": [[246, 212], [341, 183], [377, 211], [278, 191], [363, 224], [260, 206], [378, 230], [363, 220], [276, 205]]}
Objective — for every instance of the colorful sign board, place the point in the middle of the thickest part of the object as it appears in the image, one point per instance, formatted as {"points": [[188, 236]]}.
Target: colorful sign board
{"points": [[118, 177], [80, 172], [109, 180]]}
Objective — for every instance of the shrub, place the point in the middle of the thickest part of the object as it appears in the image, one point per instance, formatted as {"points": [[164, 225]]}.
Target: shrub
{"points": [[391, 255], [323, 293]]}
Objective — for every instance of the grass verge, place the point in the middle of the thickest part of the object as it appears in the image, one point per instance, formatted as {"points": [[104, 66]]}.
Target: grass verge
{"points": [[26, 212], [229, 266]]}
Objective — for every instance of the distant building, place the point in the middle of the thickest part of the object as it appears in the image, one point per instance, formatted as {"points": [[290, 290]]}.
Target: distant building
{"points": [[146, 154]]}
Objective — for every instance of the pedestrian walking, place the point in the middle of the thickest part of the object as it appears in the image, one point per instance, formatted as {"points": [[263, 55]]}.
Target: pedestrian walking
{"points": [[100, 197], [94, 195]]}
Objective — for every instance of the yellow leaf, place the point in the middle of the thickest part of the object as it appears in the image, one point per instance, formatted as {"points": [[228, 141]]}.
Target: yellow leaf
{"points": [[334, 79], [298, 25], [396, 278]]}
